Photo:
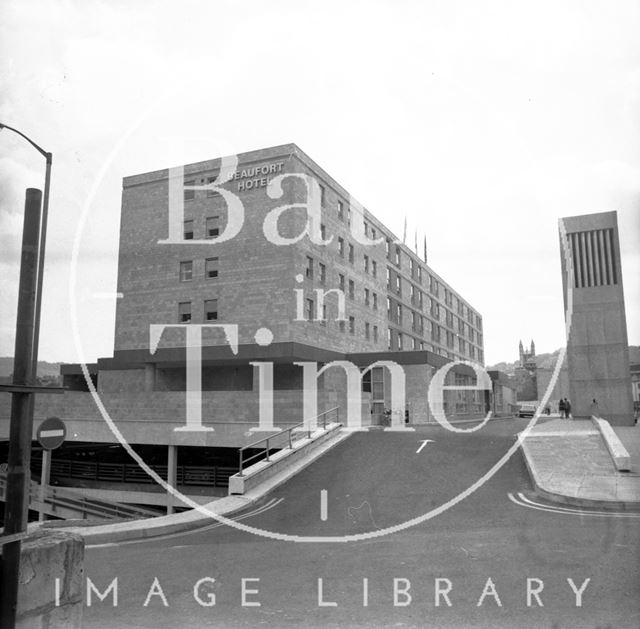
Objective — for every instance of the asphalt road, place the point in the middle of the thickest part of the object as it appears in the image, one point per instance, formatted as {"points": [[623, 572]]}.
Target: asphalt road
{"points": [[481, 551]]}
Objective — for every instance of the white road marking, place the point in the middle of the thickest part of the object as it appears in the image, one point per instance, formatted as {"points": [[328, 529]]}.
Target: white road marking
{"points": [[269, 505], [323, 505], [424, 442], [52, 433], [523, 501]]}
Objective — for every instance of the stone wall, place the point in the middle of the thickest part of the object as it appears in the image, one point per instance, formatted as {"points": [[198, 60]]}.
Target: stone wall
{"points": [[48, 555]]}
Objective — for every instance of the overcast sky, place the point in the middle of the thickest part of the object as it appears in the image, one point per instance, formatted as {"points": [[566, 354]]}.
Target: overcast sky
{"points": [[482, 122]]}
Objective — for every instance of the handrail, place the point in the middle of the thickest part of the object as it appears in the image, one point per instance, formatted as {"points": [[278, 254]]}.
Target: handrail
{"points": [[287, 432]]}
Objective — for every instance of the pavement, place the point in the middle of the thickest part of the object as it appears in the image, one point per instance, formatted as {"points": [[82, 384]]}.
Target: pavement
{"points": [[569, 463]]}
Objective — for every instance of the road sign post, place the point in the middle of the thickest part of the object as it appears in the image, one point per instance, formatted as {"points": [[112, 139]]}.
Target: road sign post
{"points": [[51, 434], [44, 481]]}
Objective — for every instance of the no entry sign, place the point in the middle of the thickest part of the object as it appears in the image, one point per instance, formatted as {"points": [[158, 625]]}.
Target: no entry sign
{"points": [[51, 433]]}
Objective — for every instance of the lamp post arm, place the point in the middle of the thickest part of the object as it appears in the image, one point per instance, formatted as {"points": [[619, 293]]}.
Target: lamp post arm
{"points": [[44, 153]]}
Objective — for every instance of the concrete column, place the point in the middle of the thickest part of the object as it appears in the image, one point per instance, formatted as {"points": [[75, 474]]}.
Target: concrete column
{"points": [[172, 469], [263, 389], [150, 377]]}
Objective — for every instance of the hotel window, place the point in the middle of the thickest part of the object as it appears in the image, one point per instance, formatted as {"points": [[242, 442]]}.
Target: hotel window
{"points": [[375, 333], [472, 352], [186, 271], [374, 268], [389, 307], [352, 325], [322, 196], [433, 285], [323, 272], [399, 313], [400, 340], [341, 247], [435, 333], [472, 335], [184, 312], [366, 296], [478, 322], [388, 278], [479, 338], [341, 210], [416, 322], [414, 268], [398, 287], [341, 281], [373, 233], [211, 310], [389, 343], [367, 330], [375, 301], [366, 228], [341, 326], [449, 318], [324, 315], [388, 249], [397, 255], [462, 346], [309, 309], [189, 193], [351, 253], [352, 290], [211, 193], [449, 339], [188, 230], [323, 231], [460, 326], [435, 310], [211, 268], [366, 264], [349, 215], [213, 226], [309, 269], [416, 343]]}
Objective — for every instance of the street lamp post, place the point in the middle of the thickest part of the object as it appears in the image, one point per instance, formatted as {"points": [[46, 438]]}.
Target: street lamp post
{"points": [[42, 241], [23, 388]]}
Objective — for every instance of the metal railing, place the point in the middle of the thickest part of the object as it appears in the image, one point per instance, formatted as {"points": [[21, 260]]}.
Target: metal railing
{"points": [[59, 501], [285, 437], [207, 475]]}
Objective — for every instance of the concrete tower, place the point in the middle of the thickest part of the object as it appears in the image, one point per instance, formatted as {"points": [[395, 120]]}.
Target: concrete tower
{"points": [[597, 347]]}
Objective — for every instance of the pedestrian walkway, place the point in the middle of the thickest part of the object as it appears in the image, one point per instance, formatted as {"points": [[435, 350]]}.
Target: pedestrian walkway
{"points": [[569, 462]]}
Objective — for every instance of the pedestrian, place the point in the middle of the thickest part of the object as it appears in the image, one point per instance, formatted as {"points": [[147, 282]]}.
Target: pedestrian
{"points": [[561, 408], [567, 408], [595, 412]]}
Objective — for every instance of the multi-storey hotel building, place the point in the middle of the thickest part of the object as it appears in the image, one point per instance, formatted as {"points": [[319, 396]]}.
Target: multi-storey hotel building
{"points": [[393, 301], [271, 246]]}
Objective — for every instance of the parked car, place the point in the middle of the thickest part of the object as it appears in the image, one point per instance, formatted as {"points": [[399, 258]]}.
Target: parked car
{"points": [[527, 410]]}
